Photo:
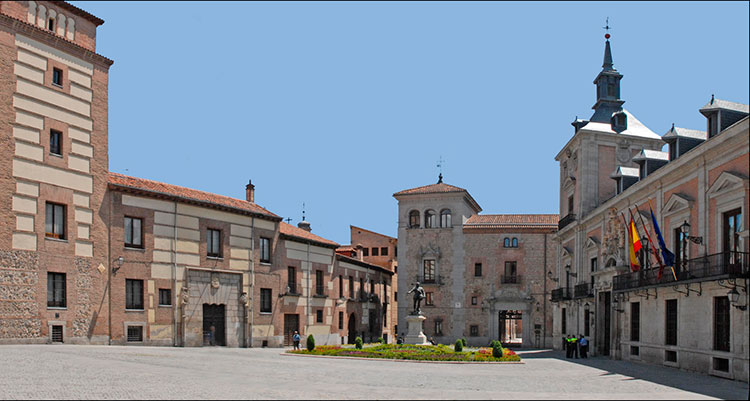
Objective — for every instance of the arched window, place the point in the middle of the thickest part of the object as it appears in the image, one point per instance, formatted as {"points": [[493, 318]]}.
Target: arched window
{"points": [[430, 219], [506, 243], [514, 242], [445, 218], [414, 219]]}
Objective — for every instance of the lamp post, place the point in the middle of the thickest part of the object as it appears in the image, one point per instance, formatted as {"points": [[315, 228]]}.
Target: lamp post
{"points": [[734, 298], [685, 230]]}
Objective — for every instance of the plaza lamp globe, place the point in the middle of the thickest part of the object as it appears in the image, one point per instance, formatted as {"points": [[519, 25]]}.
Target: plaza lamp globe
{"points": [[734, 296], [685, 228]]}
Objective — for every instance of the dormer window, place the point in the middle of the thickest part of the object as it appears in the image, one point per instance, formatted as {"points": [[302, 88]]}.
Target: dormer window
{"points": [[713, 126], [619, 122]]}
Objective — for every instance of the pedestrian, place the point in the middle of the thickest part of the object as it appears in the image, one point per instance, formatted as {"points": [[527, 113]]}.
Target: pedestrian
{"points": [[399, 340], [432, 341], [295, 338], [584, 343], [568, 347], [574, 340], [212, 335]]}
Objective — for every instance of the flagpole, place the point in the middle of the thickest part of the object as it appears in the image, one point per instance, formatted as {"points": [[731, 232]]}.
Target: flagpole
{"points": [[650, 242], [671, 267]]}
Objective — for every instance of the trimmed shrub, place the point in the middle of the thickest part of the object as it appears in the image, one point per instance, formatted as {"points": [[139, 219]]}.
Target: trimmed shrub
{"points": [[459, 346], [358, 342], [381, 340], [463, 340], [497, 349], [310, 342]]}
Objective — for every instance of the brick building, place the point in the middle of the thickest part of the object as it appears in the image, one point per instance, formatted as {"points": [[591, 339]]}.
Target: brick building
{"points": [[89, 256], [695, 318], [485, 276]]}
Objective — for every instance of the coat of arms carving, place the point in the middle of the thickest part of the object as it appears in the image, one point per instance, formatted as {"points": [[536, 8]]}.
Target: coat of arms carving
{"points": [[614, 240]]}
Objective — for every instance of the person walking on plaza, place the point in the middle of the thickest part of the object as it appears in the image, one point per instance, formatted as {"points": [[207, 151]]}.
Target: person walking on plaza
{"points": [[584, 344], [574, 341], [568, 347], [295, 338]]}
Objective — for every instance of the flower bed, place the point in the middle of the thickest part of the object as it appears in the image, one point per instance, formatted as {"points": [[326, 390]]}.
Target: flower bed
{"points": [[413, 352]]}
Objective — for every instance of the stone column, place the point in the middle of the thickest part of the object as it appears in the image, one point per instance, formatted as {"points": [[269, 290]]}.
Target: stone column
{"points": [[415, 334]]}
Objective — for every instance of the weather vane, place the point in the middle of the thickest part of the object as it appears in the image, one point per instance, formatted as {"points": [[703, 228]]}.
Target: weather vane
{"points": [[607, 28], [440, 164], [303, 211], [288, 220]]}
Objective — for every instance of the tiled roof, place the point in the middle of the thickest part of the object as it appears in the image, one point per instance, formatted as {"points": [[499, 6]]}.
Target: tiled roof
{"points": [[677, 132], [716, 104], [362, 263], [186, 194], [83, 13], [512, 221], [296, 232], [370, 231], [439, 188]]}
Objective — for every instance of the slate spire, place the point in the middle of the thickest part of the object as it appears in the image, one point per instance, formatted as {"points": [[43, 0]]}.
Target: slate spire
{"points": [[607, 66]]}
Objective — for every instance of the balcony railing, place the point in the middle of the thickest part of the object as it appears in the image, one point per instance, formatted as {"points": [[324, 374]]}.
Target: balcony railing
{"points": [[510, 279], [560, 294], [583, 291], [571, 217], [709, 267]]}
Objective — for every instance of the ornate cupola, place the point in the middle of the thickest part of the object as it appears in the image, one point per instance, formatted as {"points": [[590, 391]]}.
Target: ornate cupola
{"points": [[608, 101]]}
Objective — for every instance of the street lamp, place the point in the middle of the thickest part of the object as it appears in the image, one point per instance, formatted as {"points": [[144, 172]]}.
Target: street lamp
{"points": [[119, 262], [685, 230]]}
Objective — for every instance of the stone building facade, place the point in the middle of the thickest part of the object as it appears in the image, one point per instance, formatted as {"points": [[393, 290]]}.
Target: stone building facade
{"points": [[89, 256], [687, 318], [485, 276]]}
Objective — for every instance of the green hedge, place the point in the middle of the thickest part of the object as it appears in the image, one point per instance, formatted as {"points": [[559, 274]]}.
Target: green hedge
{"points": [[310, 342]]}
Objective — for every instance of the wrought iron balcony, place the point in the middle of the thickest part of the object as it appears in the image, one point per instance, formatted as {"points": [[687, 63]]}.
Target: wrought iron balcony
{"points": [[709, 267], [571, 217], [510, 279], [560, 294], [583, 291]]}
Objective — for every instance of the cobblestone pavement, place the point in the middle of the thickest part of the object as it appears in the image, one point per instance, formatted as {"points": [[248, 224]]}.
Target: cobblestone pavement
{"points": [[76, 371]]}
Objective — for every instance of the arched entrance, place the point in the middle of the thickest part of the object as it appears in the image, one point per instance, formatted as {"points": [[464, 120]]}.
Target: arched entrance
{"points": [[352, 328]]}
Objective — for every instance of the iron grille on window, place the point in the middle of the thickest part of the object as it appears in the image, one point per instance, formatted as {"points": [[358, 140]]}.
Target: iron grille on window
{"points": [[635, 321], [56, 296], [133, 294], [265, 300], [165, 297], [721, 323], [671, 322], [135, 333], [133, 232], [57, 334]]}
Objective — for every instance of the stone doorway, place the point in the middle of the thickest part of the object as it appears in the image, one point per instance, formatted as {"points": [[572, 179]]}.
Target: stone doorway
{"points": [[214, 325], [510, 328], [352, 328], [291, 324]]}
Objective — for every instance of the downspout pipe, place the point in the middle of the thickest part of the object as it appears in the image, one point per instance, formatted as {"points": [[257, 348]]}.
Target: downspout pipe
{"points": [[251, 291], [109, 271], [544, 310], [175, 298]]}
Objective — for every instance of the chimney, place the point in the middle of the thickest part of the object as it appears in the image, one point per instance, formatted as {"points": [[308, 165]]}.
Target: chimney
{"points": [[250, 191], [360, 256], [304, 225]]}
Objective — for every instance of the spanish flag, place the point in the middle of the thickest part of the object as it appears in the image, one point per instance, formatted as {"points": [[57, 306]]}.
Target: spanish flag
{"points": [[634, 245]]}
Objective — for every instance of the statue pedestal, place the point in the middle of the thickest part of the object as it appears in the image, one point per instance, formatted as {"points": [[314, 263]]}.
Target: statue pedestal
{"points": [[415, 334]]}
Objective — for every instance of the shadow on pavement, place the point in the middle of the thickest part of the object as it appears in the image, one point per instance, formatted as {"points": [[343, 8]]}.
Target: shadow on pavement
{"points": [[688, 381]]}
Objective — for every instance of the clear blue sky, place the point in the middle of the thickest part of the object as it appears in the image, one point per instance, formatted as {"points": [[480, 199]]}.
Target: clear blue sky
{"points": [[339, 105]]}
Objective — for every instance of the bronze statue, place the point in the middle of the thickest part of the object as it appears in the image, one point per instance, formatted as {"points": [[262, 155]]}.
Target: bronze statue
{"points": [[418, 297]]}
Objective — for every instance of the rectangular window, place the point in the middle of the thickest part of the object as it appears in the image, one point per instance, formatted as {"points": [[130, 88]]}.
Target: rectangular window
{"points": [[635, 351], [563, 319], [265, 250], [594, 264], [428, 298], [341, 320], [319, 316], [570, 204], [678, 251], [670, 356], [721, 364], [511, 272], [55, 221], [57, 76], [586, 322], [732, 226], [351, 287], [384, 251], [428, 273], [213, 243], [265, 300], [438, 327], [365, 251], [57, 334], [133, 294], [372, 287], [635, 321], [341, 286], [319, 290], [474, 331], [477, 270], [56, 296], [473, 300], [291, 279], [165, 297], [51, 24], [133, 232], [55, 142], [375, 251], [135, 334], [721, 323], [671, 322]]}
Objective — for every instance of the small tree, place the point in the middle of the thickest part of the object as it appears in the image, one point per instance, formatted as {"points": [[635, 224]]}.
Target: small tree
{"points": [[381, 340], [463, 340], [358, 342], [310, 342], [459, 346]]}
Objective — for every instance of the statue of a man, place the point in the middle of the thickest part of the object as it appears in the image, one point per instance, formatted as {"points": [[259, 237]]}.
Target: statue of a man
{"points": [[418, 297]]}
